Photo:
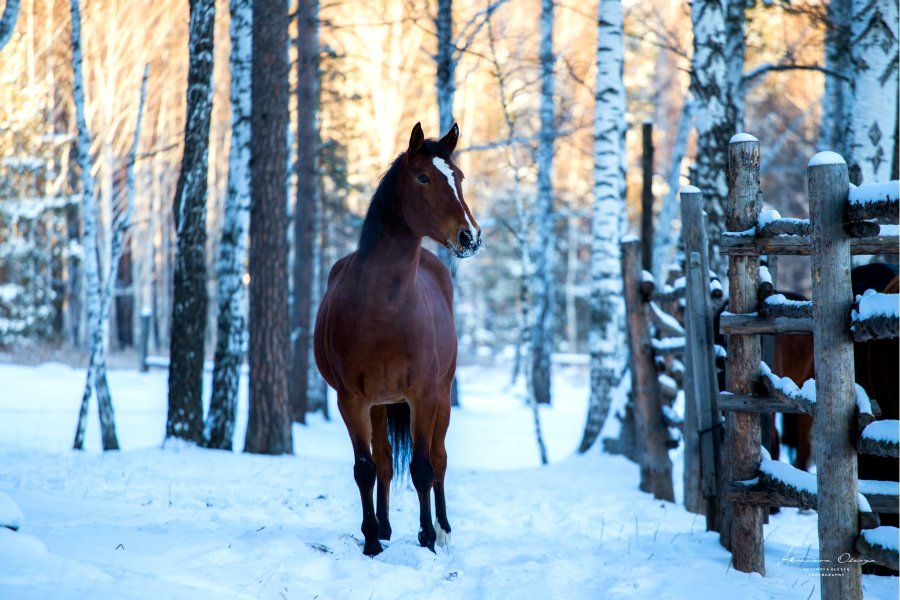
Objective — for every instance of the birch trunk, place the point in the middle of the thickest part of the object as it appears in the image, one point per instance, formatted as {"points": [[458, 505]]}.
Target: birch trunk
{"points": [[544, 247], [230, 293], [96, 373], [606, 334], [189, 297], [664, 243], [715, 116], [269, 422], [874, 58]]}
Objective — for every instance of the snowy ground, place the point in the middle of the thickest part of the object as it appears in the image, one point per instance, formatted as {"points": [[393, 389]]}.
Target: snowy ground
{"points": [[192, 523]]}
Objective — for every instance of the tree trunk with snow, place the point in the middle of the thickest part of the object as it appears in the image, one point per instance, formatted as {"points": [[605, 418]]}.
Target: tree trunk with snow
{"points": [[189, 295], [8, 21], [873, 120], [230, 293], [735, 44], [606, 335], [96, 377], [836, 100], [304, 382], [544, 246], [269, 423], [715, 116]]}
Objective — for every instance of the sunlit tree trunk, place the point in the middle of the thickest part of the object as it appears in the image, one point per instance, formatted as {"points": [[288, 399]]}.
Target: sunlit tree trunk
{"points": [[873, 120], [189, 296], [269, 423], [715, 115], [544, 246], [305, 389], [606, 334], [230, 292]]}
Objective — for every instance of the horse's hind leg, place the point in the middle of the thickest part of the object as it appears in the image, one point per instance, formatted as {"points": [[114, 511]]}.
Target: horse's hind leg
{"points": [[359, 425], [384, 469], [439, 462], [420, 467]]}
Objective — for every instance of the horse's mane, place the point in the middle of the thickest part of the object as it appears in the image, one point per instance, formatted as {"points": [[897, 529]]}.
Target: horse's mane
{"points": [[382, 207]]}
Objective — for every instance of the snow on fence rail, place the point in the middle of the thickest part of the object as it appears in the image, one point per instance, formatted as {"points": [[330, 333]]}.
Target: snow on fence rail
{"points": [[843, 221]]}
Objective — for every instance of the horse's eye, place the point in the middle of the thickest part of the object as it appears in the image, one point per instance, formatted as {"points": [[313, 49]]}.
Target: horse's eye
{"points": [[423, 179]]}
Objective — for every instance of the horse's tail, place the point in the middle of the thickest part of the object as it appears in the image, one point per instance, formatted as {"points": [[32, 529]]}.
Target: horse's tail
{"points": [[398, 426]]}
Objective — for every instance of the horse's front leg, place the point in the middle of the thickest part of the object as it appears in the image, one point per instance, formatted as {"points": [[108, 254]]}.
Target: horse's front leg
{"points": [[420, 467], [439, 462], [355, 412]]}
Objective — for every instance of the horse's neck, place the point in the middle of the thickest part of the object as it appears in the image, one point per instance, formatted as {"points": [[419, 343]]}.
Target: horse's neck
{"points": [[396, 255]]}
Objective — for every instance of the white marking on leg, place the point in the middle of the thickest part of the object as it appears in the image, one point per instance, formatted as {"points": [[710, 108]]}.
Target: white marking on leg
{"points": [[443, 537], [444, 168]]}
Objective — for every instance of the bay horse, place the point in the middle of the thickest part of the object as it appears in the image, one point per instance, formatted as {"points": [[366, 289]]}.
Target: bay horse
{"points": [[385, 337]]}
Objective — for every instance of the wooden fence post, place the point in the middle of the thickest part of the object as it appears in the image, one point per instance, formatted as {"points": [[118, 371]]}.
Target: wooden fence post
{"points": [[653, 454], [647, 197], [702, 394], [742, 437], [832, 295]]}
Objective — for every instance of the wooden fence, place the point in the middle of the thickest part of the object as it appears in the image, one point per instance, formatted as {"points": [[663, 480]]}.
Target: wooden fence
{"points": [[838, 227], [728, 475]]}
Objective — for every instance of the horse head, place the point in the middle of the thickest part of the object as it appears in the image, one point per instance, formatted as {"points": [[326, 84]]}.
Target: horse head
{"points": [[431, 198]]}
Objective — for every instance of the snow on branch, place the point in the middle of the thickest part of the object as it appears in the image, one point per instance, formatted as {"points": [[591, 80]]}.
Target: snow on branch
{"points": [[777, 305], [881, 438], [876, 316], [874, 201], [880, 544], [665, 322], [669, 345]]}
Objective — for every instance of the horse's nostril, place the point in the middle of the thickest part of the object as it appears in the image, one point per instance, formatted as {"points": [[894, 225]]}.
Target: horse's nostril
{"points": [[465, 238]]}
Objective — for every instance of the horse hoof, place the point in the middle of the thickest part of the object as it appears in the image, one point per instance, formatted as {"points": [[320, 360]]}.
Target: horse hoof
{"points": [[372, 548], [427, 541], [384, 532]]}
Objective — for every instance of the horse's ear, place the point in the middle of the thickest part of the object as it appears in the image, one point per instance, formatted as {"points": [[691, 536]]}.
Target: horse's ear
{"points": [[416, 139], [449, 140]]}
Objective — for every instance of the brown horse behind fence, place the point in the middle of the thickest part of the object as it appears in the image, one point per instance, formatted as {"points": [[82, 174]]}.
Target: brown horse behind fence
{"points": [[385, 337]]}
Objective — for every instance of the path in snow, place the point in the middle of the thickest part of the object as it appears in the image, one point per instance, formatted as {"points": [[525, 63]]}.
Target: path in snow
{"points": [[193, 523]]}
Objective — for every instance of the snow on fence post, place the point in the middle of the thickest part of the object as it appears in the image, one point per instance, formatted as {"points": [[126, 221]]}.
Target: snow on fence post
{"points": [[742, 437], [650, 429], [702, 393], [832, 295]]}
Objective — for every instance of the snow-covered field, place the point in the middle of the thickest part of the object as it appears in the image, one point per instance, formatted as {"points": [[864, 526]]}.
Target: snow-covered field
{"points": [[183, 522]]}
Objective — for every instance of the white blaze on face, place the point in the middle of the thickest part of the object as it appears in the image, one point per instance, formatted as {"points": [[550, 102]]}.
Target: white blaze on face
{"points": [[444, 168]]}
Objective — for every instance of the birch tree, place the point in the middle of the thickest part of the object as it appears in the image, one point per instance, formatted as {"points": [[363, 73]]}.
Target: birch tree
{"points": [[544, 248], [606, 334], [873, 120], [715, 115], [91, 259], [189, 295], [269, 423], [230, 295], [306, 389], [8, 21]]}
